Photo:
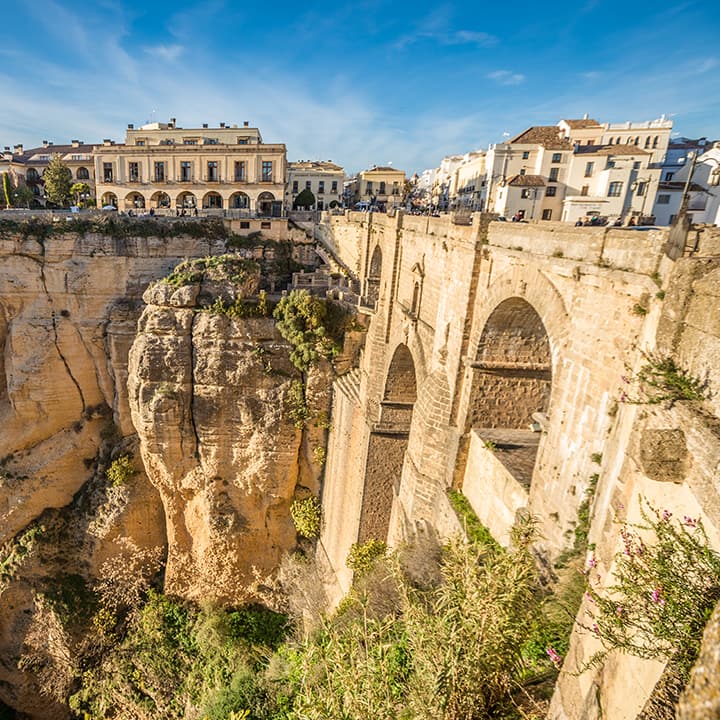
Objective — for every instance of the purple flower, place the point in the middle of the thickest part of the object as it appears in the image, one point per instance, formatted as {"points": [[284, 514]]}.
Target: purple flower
{"points": [[554, 656], [619, 610], [623, 397], [625, 379], [690, 522], [656, 596], [596, 629], [666, 515], [592, 562]]}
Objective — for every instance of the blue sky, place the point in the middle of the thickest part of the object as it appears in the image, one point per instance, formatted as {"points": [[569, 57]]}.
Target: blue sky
{"points": [[365, 83]]}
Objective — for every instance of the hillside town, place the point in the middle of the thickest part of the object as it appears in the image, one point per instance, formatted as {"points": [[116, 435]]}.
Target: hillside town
{"points": [[578, 171]]}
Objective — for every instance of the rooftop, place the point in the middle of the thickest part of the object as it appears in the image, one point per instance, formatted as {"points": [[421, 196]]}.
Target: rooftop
{"points": [[527, 181], [549, 136]]}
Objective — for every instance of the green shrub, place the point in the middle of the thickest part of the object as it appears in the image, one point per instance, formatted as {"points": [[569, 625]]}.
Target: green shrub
{"points": [[296, 404], [120, 471], [475, 530], [661, 380], [362, 556], [306, 516]]}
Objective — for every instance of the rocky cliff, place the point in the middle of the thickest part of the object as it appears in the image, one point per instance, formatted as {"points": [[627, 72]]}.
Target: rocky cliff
{"points": [[216, 461]]}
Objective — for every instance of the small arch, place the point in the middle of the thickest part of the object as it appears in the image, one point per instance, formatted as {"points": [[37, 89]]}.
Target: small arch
{"points": [[186, 200], [32, 175], [637, 140], [372, 286], [239, 201], [82, 173], [647, 142], [109, 198], [264, 203], [160, 200], [212, 200], [656, 140], [134, 201]]}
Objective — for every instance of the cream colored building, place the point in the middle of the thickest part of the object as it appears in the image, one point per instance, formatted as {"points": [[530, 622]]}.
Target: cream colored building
{"points": [[379, 186], [27, 167], [163, 166], [611, 181], [323, 178], [467, 183]]}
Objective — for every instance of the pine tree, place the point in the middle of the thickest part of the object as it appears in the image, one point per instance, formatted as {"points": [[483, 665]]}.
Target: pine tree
{"points": [[58, 180]]}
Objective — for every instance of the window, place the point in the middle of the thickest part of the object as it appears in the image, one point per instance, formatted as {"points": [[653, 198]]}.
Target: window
{"points": [[615, 189], [190, 142], [308, 185], [334, 186], [547, 214], [589, 167], [295, 186], [637, 141], [369, 187], [212, 171], [382, 187], [629, 141], [321, 187], [83, 174], [523, 171], [140, 142], [590, 142], [525, 193], [107, 172], [167, 142], [211, 141], [551, 191], [265, 225], [663, 200], [656, 140], [647, 141], [525, 155], [133, 171], [240, 173], [553, 176], [159, 172], [584, 190], [242, 141], [636, 165], [610, 164], [641, 189], [244, 225], [185, 171], [556, 158], [32, 175], [668, 175], [267, 171], [396, 188]]}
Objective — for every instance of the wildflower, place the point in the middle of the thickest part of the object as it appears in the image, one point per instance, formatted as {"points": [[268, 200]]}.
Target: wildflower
{"points": [[623, 397], [666, 515], [554, 656], [596, 629], [625, 378], [619, 610], [656, 596], [592, 562], [690, 522], [589, 597]]}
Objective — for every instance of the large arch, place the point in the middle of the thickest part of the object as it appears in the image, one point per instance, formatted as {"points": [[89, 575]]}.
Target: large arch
{"points": [[387, 446], [186, 199], [511, 384], [82, 173]]}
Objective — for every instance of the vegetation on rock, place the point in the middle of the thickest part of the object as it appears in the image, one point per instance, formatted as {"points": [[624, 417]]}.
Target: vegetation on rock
{"points": [[307, 515], [120, 471]]}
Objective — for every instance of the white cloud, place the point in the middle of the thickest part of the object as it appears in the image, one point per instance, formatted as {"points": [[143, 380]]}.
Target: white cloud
{"points": [[506, 77], [169, 53], [708, 64]]}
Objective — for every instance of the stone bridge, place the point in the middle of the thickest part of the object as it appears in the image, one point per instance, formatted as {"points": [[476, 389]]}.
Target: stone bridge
{"points": [[494, 364]]}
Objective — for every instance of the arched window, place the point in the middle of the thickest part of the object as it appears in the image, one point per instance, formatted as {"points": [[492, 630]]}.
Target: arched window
{"points": [[647, 142], [656, 140], [82, 173]]}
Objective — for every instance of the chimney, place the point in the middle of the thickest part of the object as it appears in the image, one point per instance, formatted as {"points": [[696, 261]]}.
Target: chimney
{"points": [[205, 126], [45, 143], [222, 125], [107, 142], [19, 149], [75, 143], [246, 123], [131, 126]]}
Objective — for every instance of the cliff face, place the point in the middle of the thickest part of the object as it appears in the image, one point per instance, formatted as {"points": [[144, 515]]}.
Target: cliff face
{"points": [[209, 400], [222, 460]]}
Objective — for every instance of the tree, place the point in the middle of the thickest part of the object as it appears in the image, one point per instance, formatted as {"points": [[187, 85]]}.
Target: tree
{"points": [[7, 189], [58, 181], [305, 199], [23, 196], [81, 192]]}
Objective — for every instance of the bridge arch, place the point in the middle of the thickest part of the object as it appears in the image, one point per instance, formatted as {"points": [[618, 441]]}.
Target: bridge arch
{"points": [[388, 444]]}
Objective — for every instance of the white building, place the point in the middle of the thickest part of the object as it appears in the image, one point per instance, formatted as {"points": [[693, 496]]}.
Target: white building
{"points": [[323, 178]]}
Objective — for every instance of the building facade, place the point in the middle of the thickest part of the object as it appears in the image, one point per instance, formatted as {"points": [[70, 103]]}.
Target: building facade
{"points": [[381, 187], [163, 166], [323, 178]]}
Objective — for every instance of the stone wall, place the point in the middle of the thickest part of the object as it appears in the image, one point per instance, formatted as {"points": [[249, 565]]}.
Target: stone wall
{"points": [[603, 298]]}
